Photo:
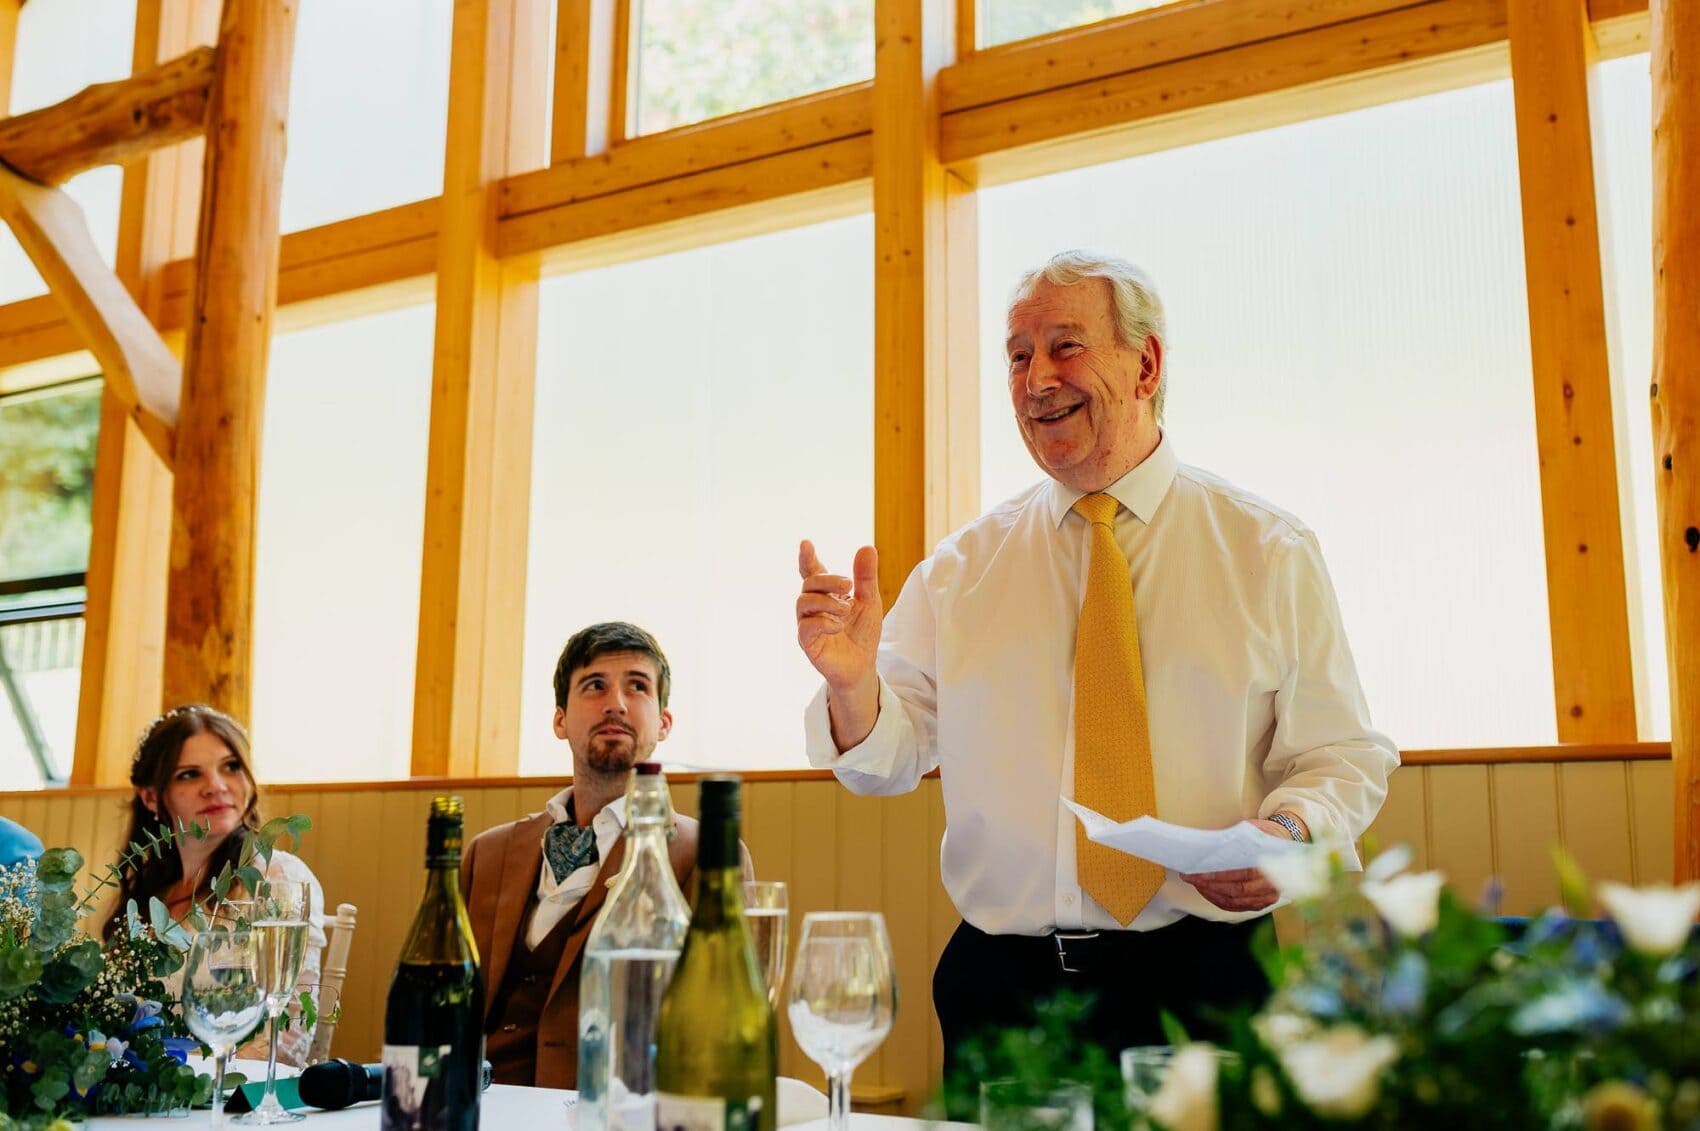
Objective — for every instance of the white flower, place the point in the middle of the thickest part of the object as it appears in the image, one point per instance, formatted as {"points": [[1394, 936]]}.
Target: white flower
{"points": [[1299, 876], [1656, 919], [1389, 863], [1278, 1030], [1338, 1074], [1410, 904], [1186, 1099]]}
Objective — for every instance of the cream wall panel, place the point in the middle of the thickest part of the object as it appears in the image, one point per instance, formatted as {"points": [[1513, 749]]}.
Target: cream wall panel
{"points": [[1595, 816], [1404, 816], [1525, 813], [1652, 811], [1460, 827]]}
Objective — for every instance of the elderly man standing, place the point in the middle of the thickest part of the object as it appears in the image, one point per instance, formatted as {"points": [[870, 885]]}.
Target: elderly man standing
{"points": [[1131, 632]]}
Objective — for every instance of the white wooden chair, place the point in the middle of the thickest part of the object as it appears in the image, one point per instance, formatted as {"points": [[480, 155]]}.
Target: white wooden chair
{"points": [[331, 973]]}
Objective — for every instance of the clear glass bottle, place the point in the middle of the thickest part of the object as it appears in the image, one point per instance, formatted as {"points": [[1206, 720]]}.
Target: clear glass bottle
{"points": [[628, 962]]}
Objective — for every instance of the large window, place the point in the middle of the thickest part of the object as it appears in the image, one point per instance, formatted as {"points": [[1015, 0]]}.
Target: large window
{"points": [[1348, 338], [47, 446], [700, 59], [368, 103], [341, 520], [63, 46], [1001, 21], [698, 414], [1623, 112]]}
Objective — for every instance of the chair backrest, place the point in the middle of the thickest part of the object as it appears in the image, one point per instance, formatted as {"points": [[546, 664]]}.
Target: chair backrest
{"points": [[331, 974]]}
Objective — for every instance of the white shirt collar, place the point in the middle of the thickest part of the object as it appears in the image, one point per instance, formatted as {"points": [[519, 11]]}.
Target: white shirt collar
{"points": [[614, 810], [1141, 490]]}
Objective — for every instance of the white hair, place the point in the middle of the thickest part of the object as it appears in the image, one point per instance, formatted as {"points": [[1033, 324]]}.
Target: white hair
{"points": [[1138, 309]]}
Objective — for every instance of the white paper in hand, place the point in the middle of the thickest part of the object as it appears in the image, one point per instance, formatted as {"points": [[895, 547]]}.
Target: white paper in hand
{"points": [[1182, 849]]}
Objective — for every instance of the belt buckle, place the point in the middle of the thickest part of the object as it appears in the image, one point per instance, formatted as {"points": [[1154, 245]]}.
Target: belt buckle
{"points": [[1060, 937]]}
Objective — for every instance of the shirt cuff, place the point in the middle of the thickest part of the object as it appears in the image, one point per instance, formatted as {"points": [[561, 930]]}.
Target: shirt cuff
{"points": [[876, 755]]}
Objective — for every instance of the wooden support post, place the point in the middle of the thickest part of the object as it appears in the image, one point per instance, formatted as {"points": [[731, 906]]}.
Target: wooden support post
{"points": [[478, 483], [124, 618], [8, 46], [926, 432], [1593, 682], [210, 605], [585, 103], [111, 122], [1676, 391]]}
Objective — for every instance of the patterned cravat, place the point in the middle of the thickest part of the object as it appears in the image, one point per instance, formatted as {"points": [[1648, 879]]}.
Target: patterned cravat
{"points": [[1112, 739], [568, 847]]}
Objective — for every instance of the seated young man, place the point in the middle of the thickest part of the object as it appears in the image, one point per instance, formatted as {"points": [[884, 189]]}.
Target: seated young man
{"points": [[533, 887]]}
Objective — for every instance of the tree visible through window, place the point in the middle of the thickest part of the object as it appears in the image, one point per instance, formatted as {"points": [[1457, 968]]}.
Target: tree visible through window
{"points": [[47, 448]]}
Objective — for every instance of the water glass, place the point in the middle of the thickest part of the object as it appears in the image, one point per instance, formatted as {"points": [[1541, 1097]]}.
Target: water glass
{"points": [[765, 907], [281, 918], [223, 997], [1019, 1105], [843, 997], [1144, 1068]]}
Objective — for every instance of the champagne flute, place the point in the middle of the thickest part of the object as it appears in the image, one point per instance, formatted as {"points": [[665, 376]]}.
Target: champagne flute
{"points": [[281, 916], [766, 911], [223, 997], [843, 997]]}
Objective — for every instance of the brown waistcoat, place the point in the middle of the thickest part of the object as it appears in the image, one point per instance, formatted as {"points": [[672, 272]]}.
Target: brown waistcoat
{"points": [[498, 876]]}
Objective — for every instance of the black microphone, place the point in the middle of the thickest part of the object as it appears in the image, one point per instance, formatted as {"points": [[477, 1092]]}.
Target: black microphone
{"points": [[334, 1084]]}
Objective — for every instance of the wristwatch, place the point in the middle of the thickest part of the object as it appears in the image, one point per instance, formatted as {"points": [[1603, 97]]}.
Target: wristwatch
{"points": [[1293, 828]]}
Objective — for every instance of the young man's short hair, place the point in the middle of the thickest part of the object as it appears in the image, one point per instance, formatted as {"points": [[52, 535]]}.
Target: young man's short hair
{"points": [[588, 644]]}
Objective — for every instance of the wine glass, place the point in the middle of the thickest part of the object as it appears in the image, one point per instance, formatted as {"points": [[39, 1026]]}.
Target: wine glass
{"points": [[843, 997], [281, 915], [223, 997], [766, 911]]}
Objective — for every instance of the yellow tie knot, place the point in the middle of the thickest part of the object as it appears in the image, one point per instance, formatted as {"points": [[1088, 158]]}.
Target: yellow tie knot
{"points": [[1098, 509]]}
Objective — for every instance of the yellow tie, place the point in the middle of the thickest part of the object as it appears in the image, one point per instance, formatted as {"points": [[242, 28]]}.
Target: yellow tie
{"points": [[1112, 739]]}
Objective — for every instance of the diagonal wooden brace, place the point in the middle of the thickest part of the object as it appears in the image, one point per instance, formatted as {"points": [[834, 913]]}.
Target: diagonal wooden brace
{"points": [[138, 367]]}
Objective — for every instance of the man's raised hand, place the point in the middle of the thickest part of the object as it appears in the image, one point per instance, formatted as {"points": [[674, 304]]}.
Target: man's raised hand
{"points": [[838, 620]]}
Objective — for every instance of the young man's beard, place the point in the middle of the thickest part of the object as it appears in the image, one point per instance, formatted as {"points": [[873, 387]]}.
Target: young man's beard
{"points": [[615, 754]]}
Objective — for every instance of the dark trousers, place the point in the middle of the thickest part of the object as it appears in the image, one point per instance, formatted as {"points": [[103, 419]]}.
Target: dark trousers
{"points": [[1194, 968]]}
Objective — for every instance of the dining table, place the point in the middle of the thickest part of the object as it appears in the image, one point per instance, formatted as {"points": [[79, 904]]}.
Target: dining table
{"points": [[505, 1106]]}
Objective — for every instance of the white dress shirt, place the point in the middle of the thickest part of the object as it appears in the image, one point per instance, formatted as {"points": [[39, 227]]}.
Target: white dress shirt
{"points": [[555, 900], [1253, 699]]}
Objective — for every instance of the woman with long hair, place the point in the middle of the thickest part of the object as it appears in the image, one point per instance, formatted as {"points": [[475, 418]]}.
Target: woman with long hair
{"points": [[192, 768]]}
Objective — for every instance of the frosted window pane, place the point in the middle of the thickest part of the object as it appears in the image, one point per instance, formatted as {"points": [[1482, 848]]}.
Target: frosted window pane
{"points": [[1623, 108], [368, 106], [1348, 338], [697, 415], [62, 47], [341, 523], [1004, 20], [45, 659], [703, 58]]}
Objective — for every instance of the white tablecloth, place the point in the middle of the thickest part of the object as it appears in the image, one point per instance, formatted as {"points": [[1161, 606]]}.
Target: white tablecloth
{"points": [[505, 1107]]}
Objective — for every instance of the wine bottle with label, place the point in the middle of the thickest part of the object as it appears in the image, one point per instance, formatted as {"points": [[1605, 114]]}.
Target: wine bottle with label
{"points": [[716, 1044], [434, 1020]]}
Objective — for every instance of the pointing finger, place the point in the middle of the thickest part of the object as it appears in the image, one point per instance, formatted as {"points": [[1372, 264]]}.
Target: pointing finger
{"points": [[807, 563]]}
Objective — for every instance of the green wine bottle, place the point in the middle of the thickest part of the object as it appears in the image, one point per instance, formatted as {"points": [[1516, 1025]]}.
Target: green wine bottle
{"points": [[716, 1044], [434, 1020]]}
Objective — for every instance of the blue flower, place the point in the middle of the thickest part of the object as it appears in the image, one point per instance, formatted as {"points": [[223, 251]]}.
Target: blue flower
{"points": [[179, 1048]]}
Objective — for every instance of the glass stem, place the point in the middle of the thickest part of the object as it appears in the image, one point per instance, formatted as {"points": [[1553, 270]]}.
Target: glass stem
{"points": [[838, 1101], [218, 1090], [270, 1102]]}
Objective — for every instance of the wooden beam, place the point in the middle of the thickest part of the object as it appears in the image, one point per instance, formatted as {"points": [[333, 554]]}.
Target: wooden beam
{"points": [[111, 122], [8, 46], [1083, 118], [1136, 42], [586, 34], [924, 342], [210, 602], [1676, 391], [478, 482], [124, 618], [138, 367], [1593, 683]]}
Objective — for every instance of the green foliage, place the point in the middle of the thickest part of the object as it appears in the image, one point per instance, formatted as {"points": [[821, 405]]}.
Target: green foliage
{"points": [[47, 445]]}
